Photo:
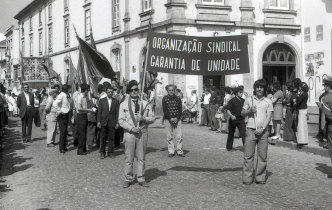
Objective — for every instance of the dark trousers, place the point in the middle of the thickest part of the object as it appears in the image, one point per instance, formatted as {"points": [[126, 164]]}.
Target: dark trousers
{"points": [[82, 125], [329, 139], [107, 134], [63, 127], [118, 137], [36, 116], [27, 124], [91, 134], [233, 124]]}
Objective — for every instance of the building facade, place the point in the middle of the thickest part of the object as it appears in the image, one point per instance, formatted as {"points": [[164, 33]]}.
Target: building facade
{"points": [[13, 70], [120, 30], [3, 61]]}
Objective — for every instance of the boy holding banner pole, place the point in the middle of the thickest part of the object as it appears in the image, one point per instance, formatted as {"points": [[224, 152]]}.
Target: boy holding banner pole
{"points": [[259, 110]]}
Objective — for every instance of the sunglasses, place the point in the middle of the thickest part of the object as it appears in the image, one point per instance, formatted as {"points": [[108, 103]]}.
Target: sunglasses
{"points": [[135, 89]]}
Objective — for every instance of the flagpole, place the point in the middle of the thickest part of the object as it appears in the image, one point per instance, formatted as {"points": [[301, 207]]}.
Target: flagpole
{"points": [[143, 82]]}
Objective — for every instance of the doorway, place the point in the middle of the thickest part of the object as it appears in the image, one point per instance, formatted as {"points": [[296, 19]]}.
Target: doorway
{"points": [[279, 64]]}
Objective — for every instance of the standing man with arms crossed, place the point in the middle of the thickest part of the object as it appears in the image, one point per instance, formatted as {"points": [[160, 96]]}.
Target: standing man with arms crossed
{"points": [[259, 110], [25, 101], [172, 108], [135, 133], [107, 121]]}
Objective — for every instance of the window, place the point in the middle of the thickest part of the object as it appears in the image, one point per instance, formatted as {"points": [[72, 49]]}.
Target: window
{"points": [[319, 32], [31, 45], [87, 22], [30, 23], [115, 13], [116, 59], [66, 5], [50, 12], [40, 18], [307, 34], [40, 43], [146, 5], [279, 4], [50, 38], [222, 2], [23, 47], [66, 32]]}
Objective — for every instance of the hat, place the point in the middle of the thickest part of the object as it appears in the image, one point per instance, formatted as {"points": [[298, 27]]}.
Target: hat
{"points": [[131, 84], [327, 80], [51, 91]]}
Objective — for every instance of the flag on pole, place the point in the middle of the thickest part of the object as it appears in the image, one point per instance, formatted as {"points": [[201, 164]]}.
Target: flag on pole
{"points": [[150, 77], [97, 64]]}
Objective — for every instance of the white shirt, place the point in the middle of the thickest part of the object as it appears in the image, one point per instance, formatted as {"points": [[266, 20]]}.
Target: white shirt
{"points": [[62, 103], [109, 103], [27, 98], [207, 99]]}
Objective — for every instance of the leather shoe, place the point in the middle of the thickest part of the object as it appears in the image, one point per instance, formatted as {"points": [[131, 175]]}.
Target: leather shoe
{"points": [[111, 155], [170, 155], [247, 183], [102, 155], [126, 184], [181, 155], [260, 182], [62, 151], [144, 184], [50, 145]]}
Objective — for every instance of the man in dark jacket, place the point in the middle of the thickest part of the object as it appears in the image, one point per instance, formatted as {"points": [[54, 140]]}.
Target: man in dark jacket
{"points": [[326, 106], [172, 107], [234, 108], [107, 120], [25, 102]]}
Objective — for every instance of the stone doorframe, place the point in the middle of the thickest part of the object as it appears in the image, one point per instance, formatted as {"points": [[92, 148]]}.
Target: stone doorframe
{"points": [[292, 45]]}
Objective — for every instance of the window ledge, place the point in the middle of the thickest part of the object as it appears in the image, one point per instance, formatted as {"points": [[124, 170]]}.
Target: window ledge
{"points": [[247, 8], [87, 4], [213, 6], [176, 5], [66, 14], [282, 11], [146, 13], [116, 29]]}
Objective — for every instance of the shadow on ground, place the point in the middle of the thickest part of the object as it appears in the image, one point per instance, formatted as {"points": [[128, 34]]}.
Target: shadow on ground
{"points": [[325, 169], [196, 169], [10, 162]]}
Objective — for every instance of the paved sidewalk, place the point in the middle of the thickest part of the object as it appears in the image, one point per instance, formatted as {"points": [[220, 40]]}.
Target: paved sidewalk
{"points": [[209, 177]]}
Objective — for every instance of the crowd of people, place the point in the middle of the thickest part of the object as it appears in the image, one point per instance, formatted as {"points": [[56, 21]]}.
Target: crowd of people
{"points": [[223, 114], [113, 113]]}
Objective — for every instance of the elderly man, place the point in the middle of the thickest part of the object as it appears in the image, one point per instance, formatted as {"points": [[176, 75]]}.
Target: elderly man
{"points": [[259, 110], [134, 117], [25, 102], [51, 121], [172, 108]]}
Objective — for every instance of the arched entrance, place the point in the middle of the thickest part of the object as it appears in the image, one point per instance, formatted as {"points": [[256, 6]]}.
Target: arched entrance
{"points": [[279, 64]]}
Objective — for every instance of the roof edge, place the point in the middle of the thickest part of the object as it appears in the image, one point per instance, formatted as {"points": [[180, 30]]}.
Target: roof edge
{"points": [[28, 8]]}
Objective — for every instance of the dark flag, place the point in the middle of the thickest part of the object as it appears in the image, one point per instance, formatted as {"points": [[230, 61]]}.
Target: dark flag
{"points": [[150, 77], [96, 63], [81, 68]]}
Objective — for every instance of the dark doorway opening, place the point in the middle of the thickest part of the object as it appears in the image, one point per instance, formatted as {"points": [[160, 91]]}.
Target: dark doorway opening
{"points": [[279, 64]]}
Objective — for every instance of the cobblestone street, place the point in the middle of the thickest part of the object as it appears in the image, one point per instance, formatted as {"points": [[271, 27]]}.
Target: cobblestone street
{"points": [[36, 177]]}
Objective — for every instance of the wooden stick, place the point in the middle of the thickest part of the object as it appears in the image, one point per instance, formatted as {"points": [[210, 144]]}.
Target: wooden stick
{"points": [[143, 82]]}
